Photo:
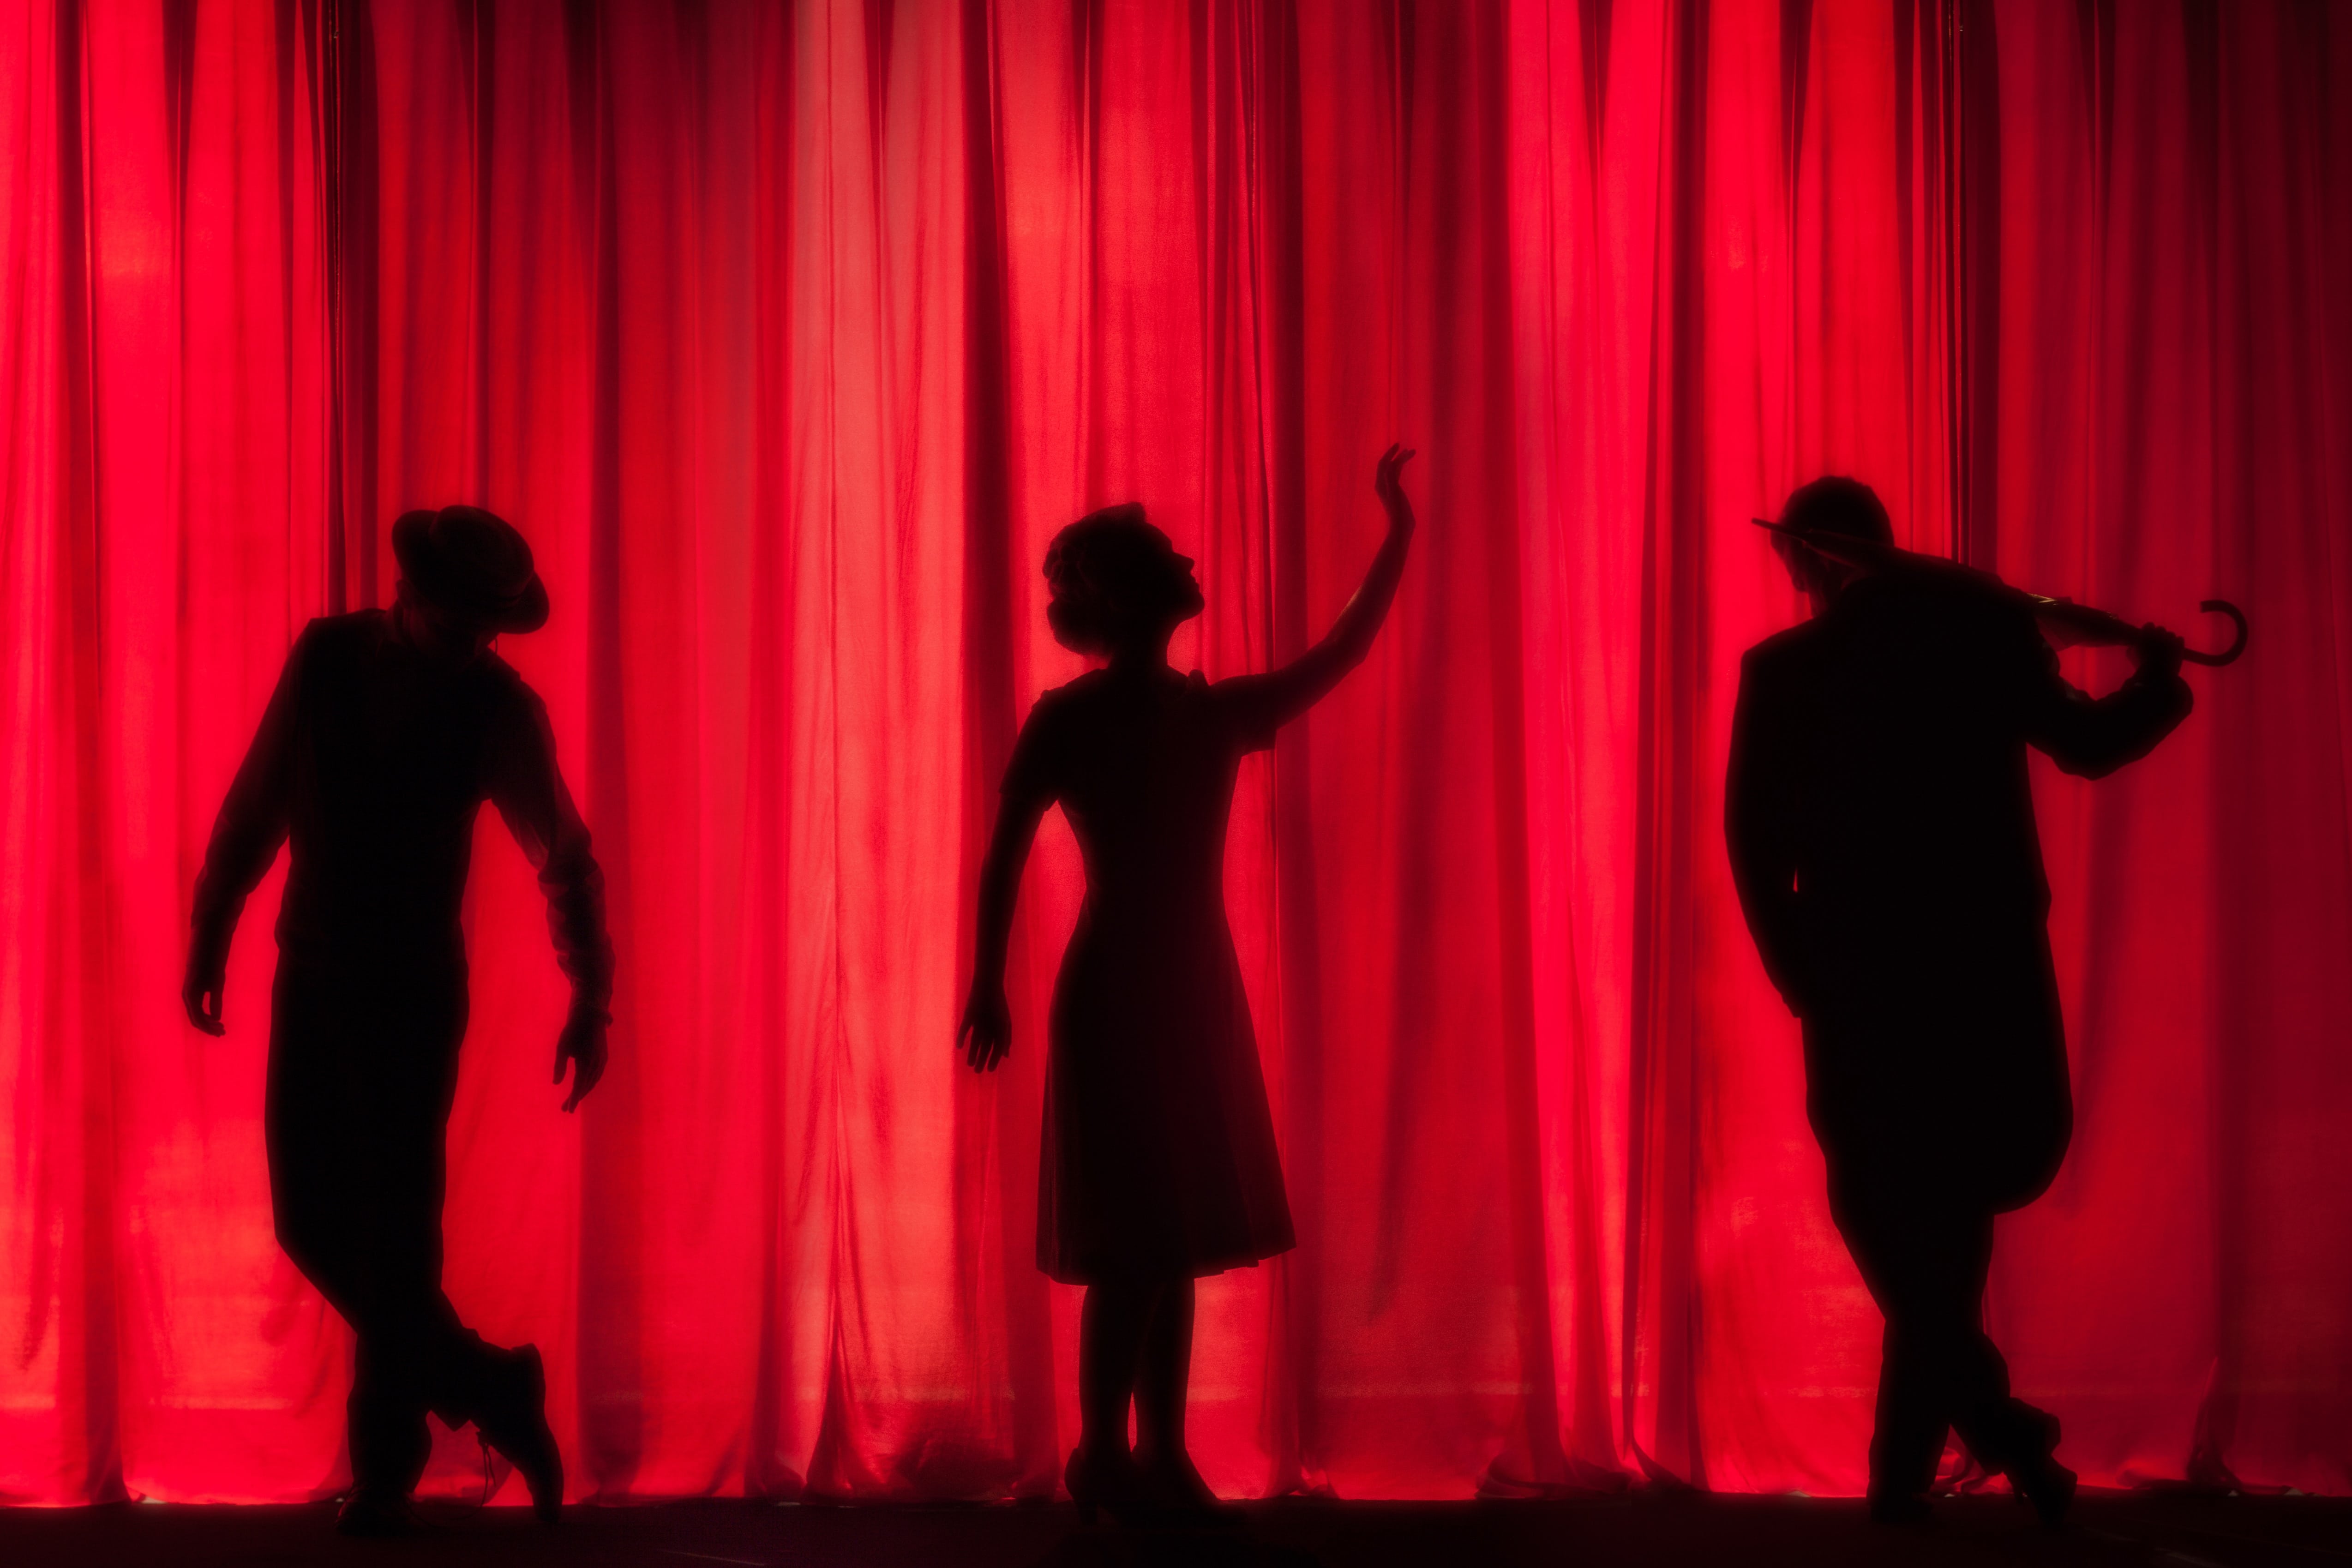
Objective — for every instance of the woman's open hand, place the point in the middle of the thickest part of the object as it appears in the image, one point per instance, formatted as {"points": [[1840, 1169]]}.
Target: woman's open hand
{"points": [[986, 1033], [1388, 483]]}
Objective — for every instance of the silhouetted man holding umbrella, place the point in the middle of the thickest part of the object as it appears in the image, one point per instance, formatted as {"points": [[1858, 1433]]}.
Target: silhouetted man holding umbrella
{"points": [[386, 733], [1881, 837]]}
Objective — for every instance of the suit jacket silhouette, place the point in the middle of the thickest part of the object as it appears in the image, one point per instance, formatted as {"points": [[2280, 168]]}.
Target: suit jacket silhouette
{"points": [[1881, 835], [372, 760]]}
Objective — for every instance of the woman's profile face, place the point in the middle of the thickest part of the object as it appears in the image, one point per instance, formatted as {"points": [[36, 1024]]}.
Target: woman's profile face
{"points": [[1155, 592], [1118, 582], [1185, 598]]}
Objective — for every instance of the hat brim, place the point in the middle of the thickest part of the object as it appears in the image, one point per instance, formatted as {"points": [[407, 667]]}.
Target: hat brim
{"points": [[412, 545]]}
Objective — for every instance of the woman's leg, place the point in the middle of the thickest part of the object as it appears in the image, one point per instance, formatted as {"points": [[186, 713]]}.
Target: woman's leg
{"points": [[1111, 1327], [1160, 1380], [1160, 1387]]}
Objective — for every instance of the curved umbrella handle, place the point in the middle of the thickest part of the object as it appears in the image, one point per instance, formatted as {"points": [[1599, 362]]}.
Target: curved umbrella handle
{"points": [[2237, 643]]}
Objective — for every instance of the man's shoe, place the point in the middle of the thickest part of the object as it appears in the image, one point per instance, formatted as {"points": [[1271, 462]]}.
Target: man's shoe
{"points": [[2048, 1486], [2041, 1479], [1899, 1508], [376, 1513], [515, 1424]]}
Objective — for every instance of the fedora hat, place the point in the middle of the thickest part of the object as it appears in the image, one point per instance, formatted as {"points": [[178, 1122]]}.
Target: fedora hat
{"points": [[473, 564]]}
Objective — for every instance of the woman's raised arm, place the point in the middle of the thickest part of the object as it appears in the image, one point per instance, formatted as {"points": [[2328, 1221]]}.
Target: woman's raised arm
{"points": [[1281, 695]]}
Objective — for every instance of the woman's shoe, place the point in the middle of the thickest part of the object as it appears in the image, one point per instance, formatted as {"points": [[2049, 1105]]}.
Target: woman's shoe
{"points": [[1108, 1483], [1181, 1496]]}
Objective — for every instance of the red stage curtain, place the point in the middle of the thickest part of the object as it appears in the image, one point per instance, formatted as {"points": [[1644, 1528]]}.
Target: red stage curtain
{"points": [[790, 333]]}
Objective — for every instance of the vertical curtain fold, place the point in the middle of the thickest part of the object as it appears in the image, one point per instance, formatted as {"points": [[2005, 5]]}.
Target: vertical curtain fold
{"points": [[166, 384]]}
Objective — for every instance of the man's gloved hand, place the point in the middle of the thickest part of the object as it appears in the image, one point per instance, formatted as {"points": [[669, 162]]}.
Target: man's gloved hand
{"points": [[2157, 654], [200, 993], [583, 1044]]}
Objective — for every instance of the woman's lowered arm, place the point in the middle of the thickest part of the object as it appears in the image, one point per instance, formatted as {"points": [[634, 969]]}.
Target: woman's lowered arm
{"points": [[986, 1033]]}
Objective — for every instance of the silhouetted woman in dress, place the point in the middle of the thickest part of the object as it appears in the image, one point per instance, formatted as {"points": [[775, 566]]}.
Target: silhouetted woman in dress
{"points": [[1158, 1162]]}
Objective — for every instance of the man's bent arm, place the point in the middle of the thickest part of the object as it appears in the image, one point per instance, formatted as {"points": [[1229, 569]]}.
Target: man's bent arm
{"points": [[251, 825], [1763, 855], [2093, 736], [527, 789]]}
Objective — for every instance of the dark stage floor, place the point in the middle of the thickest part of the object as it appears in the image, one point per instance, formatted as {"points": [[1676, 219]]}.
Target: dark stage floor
{"points": [[1661, 1532]]}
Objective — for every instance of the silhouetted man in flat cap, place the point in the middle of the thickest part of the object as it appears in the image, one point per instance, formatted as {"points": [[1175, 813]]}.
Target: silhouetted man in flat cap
{"points": [[1881, 837], [386, 733]]}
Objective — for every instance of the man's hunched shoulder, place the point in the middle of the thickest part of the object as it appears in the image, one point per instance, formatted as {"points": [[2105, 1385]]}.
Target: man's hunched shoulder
{"points": [[1783, 648], [331, 641], [505, 674], [347, 626], [354, 630]]}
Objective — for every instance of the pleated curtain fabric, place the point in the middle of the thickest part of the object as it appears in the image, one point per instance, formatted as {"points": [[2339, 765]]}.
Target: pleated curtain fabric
{"points": [[790, 333]]}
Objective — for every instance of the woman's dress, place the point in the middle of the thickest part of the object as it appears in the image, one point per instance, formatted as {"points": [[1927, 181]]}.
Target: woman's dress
{"points": [[1158, 1156]]}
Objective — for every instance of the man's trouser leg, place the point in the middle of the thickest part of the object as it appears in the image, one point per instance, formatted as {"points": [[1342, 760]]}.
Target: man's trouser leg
{"points": [[360, 1080], [1925, 1257]]}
